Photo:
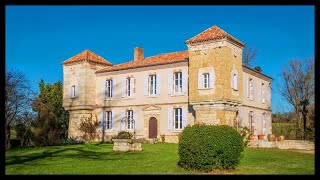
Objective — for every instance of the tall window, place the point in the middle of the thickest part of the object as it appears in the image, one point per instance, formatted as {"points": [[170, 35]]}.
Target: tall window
{"points": [[108, 120], [251, 88], [206, 80], [109, 88], [129, 119], [251, 122], [178, 82], [177, 118], [262, 92], [153, 84], [73, 91], [129, 93], [235, 81], [264, 125]]}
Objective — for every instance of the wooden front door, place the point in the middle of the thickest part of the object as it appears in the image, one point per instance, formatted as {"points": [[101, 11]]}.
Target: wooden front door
{"points": [[153, 127]]}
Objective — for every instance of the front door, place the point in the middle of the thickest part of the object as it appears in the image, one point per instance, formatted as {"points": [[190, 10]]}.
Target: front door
{"points": [[153, 127]]}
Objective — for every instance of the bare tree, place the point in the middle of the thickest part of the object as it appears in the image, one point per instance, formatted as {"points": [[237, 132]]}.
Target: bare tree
{"points": [[298, 86], [18, 96], [248, 55]]}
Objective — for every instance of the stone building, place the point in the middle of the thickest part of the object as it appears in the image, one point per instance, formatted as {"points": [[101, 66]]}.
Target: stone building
{"points": [[158, 96]]}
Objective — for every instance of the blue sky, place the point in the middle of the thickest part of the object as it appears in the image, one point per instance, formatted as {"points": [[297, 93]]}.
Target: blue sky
{"points": [[39, 38]]}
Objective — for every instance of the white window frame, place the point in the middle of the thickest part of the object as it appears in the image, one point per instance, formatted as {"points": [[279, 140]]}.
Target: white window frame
{"points": [[177, 78], [206, 80], [73, 91], [251, 88], [109, 84], [177, 118], [128, 92], [108, 120], [153, 84], [263, 93], [129, 115], [235, 81]]}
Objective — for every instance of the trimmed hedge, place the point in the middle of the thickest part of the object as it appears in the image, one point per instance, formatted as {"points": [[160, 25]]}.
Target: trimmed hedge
{"points": [[208, 147]]}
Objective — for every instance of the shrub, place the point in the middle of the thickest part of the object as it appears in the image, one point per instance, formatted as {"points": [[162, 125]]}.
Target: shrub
{"points": [[24, 134], [244, 132], [70, 141], [124, 135], [208, 147]]}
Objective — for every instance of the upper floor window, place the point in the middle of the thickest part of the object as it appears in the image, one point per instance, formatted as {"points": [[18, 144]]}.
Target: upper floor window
{"points": [[262, 93], [109, 88], [178, 82], [177, 118], [73, 91], [108, 119], [206, 80], [129, 86], [234, 81], [250, 88], [130, 120], [152, 84]]}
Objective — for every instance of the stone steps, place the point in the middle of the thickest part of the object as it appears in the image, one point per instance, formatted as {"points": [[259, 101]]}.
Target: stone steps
{"points": [[286, 144]]}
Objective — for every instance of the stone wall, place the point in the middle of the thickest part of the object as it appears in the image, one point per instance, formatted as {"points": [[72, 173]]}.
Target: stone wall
{"points": [[126, 145]]}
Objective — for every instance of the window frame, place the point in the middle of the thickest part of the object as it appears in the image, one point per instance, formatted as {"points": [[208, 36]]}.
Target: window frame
{"points": [[177, 118], [177, 85], [128, 92], [109, 88], [206, 85], [73, 91], [108, 120], [152, 84], [130, 124]]}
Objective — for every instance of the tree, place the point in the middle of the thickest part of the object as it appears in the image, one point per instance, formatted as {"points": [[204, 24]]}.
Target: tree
{"points": [[52, 121], [18, 96], [89, 127], [298, 86], [248, 55]]}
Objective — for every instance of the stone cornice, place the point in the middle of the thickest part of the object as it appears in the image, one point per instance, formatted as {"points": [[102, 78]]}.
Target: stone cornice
{"points": [[253, 72], [222, 104]]}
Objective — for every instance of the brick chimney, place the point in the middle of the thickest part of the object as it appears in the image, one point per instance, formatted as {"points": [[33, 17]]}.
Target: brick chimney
{"points": [[138, 54]]}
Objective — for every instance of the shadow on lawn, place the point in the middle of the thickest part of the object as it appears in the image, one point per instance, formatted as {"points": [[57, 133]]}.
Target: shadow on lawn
{"points": [[78, 152]]}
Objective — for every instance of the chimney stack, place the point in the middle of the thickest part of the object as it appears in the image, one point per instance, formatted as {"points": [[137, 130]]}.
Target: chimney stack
{"points": [[138, 54]]}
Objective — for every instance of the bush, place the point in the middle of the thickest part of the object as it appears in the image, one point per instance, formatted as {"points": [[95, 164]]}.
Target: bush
{"points": [[124, 135], [24, 134], [208, 147]]}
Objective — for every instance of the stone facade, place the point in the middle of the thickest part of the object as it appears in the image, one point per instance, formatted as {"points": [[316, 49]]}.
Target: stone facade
{"points": [[224, 101]]}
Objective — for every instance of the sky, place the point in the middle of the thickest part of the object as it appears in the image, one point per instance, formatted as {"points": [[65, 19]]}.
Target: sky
{"points": [[39, 38]]}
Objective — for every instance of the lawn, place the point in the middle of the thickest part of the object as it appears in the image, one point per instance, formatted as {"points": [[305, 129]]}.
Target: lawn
{"points": [[97, 158]]}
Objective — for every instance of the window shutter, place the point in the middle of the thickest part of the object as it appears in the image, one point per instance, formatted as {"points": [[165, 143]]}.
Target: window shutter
{"points": [[211, 77], [113, 120], [135, 124], [131, 86], [146, 85], [262, 126], [184, 117], [255, 124], [232, 80], [103, 89], [123, 123], [170, 116], [184, 81], [170, 78], [70, 91], [200, 86], [253, 88], [158, 84], [261, 91], [102, 120], [76, 90], [114, 91], [236, 81], [248, 87], [124, 87]]}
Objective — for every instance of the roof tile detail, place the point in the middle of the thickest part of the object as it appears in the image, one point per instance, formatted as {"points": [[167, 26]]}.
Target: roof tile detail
{"points": [[166, 58], [212, 33], [87, 55]]}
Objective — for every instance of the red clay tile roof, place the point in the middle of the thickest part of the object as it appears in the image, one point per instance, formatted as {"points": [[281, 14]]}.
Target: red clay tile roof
{"points": [[166, 58], [88, 55], [212, 33]]}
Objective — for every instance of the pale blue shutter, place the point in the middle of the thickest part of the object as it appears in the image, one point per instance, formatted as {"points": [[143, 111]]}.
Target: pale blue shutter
{"points": [[232, 80], [135, 119], [70, 91], [170, 116], [211, 77], [114, 91], [170, 78], [113, 120], [145, 84], [200, 86], [124, 87], [103, 89], [184, 81], [123, 123], [76, 90], [131, 86], [253, 88], [260, 91], [248, 87], [262, 126], [102, 120], [184, 117], [158, 84]]}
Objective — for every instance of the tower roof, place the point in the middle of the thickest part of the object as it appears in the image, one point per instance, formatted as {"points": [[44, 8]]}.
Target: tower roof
{"points": [[89, 56]]}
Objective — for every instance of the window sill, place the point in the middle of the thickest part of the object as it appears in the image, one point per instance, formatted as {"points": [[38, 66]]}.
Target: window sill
{"points": [[178, 94], [251, 98], [109, 130], [176, 130], [152, 96], [73, 98], [205, 89], [109, 99], [128, 98], [263, 102]]}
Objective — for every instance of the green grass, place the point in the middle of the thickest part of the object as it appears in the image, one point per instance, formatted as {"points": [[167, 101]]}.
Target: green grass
{"points": [[154, 159]]}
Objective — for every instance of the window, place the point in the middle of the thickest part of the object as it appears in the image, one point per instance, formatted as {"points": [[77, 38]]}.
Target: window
{"points": [[178, 82], [108, 119], [109, 88], [264, 123], [262, 92], [251, 88], [153, 84], [73, 91], [178, 118], [206, 80], [251, 122], [235, 81], [130, 119], [128, 91]]}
